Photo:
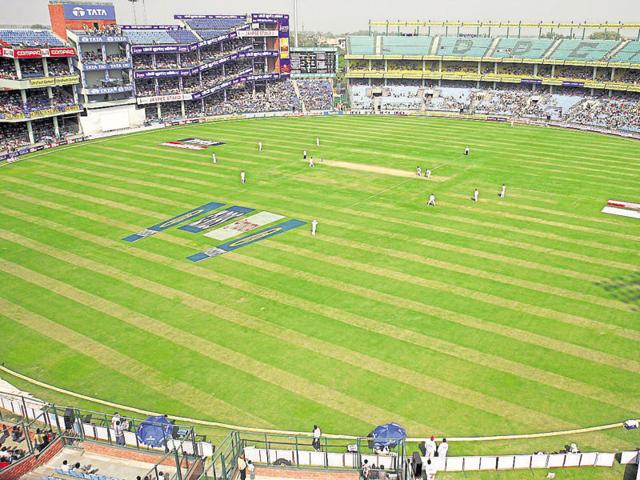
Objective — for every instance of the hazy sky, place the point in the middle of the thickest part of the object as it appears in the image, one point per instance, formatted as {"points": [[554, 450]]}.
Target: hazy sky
{"points": [[349, 15]]}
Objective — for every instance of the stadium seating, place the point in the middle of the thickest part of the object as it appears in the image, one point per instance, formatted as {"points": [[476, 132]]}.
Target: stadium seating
{"points": [[361, 45], [207, 34], [584, 50], [149, 37], [397, 45], [30, 38], [522, 47], [629, 54], [182, 36], [224, 24], [464, 46]]}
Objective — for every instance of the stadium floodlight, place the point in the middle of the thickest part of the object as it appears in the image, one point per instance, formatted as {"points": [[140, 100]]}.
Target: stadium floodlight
{"points": [[133, 7], [295, 23]]}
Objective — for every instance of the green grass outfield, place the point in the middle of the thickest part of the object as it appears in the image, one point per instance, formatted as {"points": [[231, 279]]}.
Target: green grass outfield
{"points": [[503, 317]]}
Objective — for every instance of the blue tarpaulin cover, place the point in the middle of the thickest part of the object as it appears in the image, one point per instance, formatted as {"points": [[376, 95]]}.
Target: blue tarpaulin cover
{"points": [[388, 435], [155, 431]]}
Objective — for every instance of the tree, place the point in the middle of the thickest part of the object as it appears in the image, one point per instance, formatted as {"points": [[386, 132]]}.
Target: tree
{"points": [[605, 35]]}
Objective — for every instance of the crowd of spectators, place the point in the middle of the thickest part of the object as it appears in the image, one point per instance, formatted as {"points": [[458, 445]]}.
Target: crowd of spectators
{"points": [[169, 86], [58, 67], [191, 84], [11, 103], [617, 113], [91, 57], [32, 68], [43, 131], [189, 59], [627, 76], [143, 62], [8, 69], [13, 136], [146, 88], [316, 94], [101, 29], [583, 73], [276, 97], [166, 61]]}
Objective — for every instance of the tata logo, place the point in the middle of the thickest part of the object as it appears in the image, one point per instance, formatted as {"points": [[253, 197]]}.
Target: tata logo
{"points": [[94, 12]]}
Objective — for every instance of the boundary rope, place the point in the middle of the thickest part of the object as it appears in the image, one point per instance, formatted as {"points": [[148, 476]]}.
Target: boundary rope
{"points": [[227, 426]]}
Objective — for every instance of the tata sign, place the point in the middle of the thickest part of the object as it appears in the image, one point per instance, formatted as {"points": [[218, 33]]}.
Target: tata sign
{"points": [[89, 12]]}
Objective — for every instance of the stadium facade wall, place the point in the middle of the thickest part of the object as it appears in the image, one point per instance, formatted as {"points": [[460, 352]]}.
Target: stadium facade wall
{"points": [[126, 453]]}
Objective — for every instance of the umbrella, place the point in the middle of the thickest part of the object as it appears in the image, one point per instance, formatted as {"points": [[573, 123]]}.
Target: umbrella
{"points": [[154, 431], [387, 435]]}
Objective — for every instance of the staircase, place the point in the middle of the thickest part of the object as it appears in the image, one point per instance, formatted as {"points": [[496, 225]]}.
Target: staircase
{"points": [[552, 48], [297, 90], [623, 44], [492, 47]]}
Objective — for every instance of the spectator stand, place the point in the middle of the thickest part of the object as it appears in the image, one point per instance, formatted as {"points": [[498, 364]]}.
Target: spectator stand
{"points": [[75, 426]]}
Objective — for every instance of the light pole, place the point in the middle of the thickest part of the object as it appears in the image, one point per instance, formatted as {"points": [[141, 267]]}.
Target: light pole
{"points": [[133, 7], [295, 23]]}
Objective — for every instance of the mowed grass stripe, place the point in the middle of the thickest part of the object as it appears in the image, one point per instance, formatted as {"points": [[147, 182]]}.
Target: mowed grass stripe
{"points": [[433, 343], [569, 295], [490, 225], [137, 371], [490, 228], [293, 383], [505, 153], [349, 357], [422, 340], [513, 144], [548, 289], [186, 243], [498, 240], [422, 382], [348, 226], [463, 319], [473, 322], [505, 303]]}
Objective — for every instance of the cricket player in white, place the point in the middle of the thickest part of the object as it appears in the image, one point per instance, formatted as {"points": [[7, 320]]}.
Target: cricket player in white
{"points": [[503, 191], [427, 173], [418, 171], [466, 151], [214, 159], [259, 146], [430, 447], [243, 177], [432, 201], [314, 227], [475, 195], [318, 142], [311, 164]]}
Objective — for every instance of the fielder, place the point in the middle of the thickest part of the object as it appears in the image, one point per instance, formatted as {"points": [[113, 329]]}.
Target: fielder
{"points": [[427, 173], [475, 195], [432, 201], [314, 227], [214, 159], [503, 191], [466, 151], [243, 177], [311, 164], [318, 142], [418, 171], [259, 146]]}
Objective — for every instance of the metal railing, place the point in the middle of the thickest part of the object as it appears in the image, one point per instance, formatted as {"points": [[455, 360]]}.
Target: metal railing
{"points": [[300, 451]]}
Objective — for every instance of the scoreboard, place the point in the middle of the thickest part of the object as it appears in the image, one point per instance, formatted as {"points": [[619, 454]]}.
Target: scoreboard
{"points": [[314, 61]]}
